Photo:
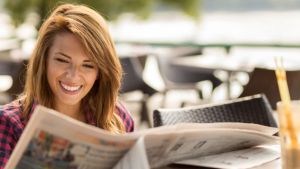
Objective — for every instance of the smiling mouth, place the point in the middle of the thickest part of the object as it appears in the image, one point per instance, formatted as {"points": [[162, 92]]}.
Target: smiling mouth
{"points": [[70, 88]]}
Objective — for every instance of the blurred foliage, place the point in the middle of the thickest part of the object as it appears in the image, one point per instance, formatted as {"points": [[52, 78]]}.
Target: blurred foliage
{"points": [[190, 7], [110, 9]]}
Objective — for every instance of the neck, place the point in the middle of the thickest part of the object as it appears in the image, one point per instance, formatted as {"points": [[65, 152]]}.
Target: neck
{"points": [[73, 111]]}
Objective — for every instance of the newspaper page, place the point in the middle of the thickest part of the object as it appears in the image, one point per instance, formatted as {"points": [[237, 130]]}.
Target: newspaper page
{"points": [[228, 125], [135, 158], [166, 148], [245, 158], [53, 140]]}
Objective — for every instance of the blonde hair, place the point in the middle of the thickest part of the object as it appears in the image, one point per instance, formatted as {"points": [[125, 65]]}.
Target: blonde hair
{"points": [[90, 27]]}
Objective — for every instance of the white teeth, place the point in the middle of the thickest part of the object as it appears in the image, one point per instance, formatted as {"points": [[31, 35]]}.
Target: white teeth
{"points": [[70, 88]]}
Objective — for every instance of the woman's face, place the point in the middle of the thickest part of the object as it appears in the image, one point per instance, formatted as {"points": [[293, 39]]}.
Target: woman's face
{"points": [[70, 72]]}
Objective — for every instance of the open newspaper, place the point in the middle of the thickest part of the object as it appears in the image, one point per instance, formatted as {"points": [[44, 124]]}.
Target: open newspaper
{"points": [[54, 141]]}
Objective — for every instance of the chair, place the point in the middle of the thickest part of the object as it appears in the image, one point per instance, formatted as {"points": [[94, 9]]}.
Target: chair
{"points": [[179, 77], [251, 109], [264, 81], [18, 75], [15, 69], [133, 81]]}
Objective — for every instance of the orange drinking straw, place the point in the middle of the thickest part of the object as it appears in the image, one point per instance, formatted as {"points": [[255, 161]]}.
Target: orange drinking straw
{"points": [[285, 98]]}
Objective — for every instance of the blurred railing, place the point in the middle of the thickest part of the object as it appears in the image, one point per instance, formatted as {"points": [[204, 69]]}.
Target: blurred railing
{"points": [[226, 46]]}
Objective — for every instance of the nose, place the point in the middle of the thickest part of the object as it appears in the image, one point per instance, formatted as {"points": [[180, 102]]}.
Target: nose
{"points": [[72, 71]]}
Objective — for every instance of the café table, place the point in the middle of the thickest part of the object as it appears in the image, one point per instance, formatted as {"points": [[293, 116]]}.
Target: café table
{"points": [[233, 64]]}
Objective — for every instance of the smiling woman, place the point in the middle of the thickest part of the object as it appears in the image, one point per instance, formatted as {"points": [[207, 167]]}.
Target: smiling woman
{"points": [[74, 69], [70, 73]]}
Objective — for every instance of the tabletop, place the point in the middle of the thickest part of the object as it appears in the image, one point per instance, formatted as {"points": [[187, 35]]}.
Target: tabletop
{"points": [[235, 63]]}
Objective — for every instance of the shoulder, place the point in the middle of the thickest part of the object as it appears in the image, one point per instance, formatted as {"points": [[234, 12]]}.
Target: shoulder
{"points": [[11, 117], [11, 128], [126, 117], [11, 111]]}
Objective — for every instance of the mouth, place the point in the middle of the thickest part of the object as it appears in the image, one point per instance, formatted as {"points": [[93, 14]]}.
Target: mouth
{"points": [[70, 89]]}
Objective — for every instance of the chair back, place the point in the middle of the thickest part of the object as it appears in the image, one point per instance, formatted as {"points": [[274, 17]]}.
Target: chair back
{"points": [[133, 81], [132, 77], [251, 109], [17, 70], [264, 81], [177, 76]]}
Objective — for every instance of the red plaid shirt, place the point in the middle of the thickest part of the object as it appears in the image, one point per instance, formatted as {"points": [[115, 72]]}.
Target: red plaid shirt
{"points": [[12, 125]]}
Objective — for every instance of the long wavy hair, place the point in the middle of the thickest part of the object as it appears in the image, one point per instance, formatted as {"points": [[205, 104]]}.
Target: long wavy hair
{"points": [[90, 27]]}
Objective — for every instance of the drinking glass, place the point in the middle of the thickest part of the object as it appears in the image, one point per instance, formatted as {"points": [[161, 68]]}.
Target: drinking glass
{"points": [[289, 132]]}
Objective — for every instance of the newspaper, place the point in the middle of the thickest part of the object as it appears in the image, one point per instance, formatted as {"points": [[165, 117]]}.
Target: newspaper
{"points": [[54, 141], [245, 158]]}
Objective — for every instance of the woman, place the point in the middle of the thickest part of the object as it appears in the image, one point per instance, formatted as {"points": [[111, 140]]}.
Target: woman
{"points": [[74, 69]]}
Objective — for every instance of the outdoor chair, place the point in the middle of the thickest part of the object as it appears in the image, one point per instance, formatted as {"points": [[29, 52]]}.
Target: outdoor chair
{"points": [[183, 78], [251, 109], [264, 81], [133, 81], [17, 71]]}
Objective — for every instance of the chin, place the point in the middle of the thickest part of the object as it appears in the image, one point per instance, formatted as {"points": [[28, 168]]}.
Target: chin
{"points": [[69, 101]]}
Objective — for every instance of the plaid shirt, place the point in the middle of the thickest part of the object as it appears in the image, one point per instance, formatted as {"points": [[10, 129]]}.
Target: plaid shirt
{"points": [[12, 125]]}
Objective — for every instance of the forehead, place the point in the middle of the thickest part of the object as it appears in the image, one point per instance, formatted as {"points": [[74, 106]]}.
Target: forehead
{"points": [[68, 44]]}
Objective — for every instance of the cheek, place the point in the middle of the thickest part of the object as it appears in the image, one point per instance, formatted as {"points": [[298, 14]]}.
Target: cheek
{"points": [[90, 78], [50, 68], [51, 77], [53, 71]]}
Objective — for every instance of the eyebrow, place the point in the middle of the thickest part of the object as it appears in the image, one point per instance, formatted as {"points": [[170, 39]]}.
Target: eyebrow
{"points": [[67, 56]]}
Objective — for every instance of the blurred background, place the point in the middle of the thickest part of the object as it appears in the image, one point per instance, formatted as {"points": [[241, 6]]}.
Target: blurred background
{"points": [[174, 53]]}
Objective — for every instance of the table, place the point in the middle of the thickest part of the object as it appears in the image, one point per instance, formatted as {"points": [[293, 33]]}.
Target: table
{"points": [[233, 64]]}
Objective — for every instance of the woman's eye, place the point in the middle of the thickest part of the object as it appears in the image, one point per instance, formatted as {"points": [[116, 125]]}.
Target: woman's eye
{"points": [[88, 66], [61, 60]]}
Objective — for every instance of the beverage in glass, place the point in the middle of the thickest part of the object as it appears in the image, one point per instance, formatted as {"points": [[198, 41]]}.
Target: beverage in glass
{"points": [[289, 132]]}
